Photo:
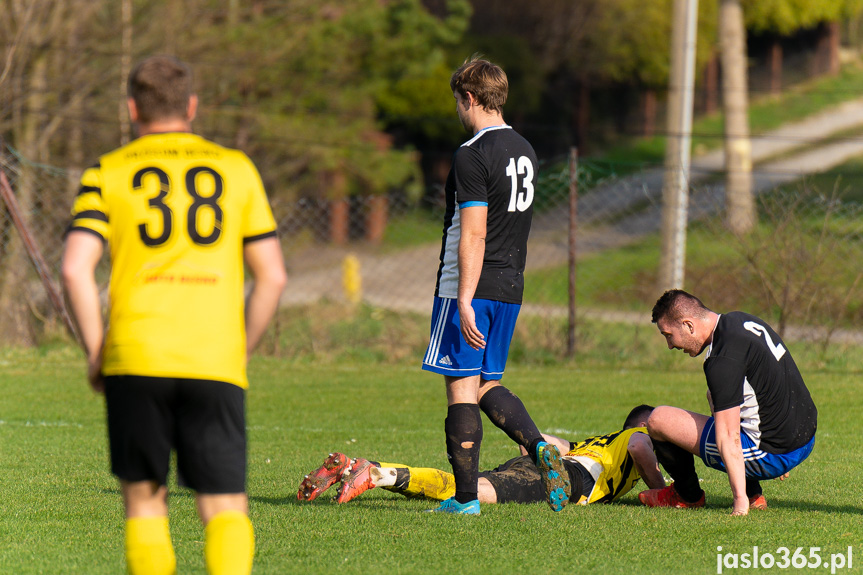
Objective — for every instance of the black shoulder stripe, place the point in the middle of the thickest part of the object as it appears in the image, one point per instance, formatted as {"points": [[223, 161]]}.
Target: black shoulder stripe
{"points": [[89, 190], [91, 215], [251, 239], [74, 228]]}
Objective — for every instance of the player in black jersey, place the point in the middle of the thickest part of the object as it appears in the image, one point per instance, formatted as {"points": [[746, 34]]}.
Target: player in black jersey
{"points": [[764, 419], [489, 196]]}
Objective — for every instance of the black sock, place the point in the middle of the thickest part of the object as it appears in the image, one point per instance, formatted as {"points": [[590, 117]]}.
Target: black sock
{"points": [[403, 478], [463, 428], [753, 487], [680, 465], [531, 450], [506, 411]]}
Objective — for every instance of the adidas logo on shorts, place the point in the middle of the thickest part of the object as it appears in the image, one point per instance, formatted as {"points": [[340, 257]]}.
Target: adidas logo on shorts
{"points": [[445, 360]]}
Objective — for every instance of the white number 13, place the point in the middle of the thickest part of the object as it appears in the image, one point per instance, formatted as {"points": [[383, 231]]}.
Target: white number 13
{"points": [[777, 350], [518, 199]]}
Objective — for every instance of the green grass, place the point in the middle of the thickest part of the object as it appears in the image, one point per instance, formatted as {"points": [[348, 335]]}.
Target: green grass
{"points": [[60, 509]]}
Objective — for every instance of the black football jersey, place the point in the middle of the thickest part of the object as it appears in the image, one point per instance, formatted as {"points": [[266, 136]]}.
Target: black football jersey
{"points": [[747, 364], [497, 168]]}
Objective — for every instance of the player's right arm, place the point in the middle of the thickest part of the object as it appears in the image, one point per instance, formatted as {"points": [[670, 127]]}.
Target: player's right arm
{"points": [[265, 262], [471, 253], [81, 255], [640, 448], [728, 444]]}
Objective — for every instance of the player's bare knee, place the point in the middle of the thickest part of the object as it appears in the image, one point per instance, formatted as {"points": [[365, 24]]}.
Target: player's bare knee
{"points": [[656, 422]]}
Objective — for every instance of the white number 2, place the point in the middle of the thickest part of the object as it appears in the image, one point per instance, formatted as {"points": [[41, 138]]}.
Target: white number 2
{"points": [[777, 350], [520, 200]]}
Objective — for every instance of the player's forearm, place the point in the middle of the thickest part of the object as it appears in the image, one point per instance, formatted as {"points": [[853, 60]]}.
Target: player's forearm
{"points": [[81, 255], [261, 306], [82, 294], [471, 252], [265, 261], [641, 449], [732, 456]]}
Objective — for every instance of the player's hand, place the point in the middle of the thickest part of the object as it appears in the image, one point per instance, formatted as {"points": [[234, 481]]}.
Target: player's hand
{"points": [[94, 374], [741, 506], [469, 331]]}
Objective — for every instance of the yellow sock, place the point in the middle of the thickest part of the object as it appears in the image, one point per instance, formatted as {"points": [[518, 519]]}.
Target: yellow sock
{"points": [[148, 546], [229, 544], [431, 483]]}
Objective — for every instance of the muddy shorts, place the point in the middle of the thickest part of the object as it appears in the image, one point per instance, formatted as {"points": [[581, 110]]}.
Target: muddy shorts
{"points": [[518, 481]]}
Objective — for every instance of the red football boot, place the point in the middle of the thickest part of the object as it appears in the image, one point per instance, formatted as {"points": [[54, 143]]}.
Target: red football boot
{"points": [[323, 477], [758, 502], [668, 497], [356, 479]]}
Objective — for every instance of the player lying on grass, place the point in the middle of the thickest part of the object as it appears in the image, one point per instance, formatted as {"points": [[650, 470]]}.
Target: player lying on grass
{"points": [[601, 468]]}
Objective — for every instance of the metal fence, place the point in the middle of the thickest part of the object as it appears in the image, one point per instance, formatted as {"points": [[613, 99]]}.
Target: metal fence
{"points": [[383, 252]]}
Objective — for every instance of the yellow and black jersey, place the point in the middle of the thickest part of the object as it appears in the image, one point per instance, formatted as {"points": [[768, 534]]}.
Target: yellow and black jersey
{"points": [[175, 211], [607, 459]]}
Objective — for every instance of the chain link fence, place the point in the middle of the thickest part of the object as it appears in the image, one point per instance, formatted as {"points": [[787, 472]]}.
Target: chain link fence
{"points": [[380, 254]]}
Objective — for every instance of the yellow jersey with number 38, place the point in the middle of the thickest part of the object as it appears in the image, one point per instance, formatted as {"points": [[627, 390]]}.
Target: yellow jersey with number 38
{"points": [[607, 458], [175, 211]]}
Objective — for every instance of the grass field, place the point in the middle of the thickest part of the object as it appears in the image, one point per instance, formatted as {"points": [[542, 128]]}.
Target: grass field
{"points": [[60, 509]]}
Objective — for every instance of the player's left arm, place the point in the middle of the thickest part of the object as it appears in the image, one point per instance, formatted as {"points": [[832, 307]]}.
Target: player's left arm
{"points": [[471, 253], [640, 447], [81, 255], [728, 443], [264, 260]]}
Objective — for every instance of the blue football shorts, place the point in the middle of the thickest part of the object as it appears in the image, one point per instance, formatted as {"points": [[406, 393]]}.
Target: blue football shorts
{"points": [[759, 464], [449, 354]]}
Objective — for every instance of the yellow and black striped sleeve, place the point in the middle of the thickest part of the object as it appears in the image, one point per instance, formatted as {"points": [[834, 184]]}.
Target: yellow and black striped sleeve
{"points": [[89, 213]]}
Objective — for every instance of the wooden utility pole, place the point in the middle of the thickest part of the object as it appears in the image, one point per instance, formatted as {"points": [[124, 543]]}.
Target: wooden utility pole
{"points": [[675, 186], [573, 251]]}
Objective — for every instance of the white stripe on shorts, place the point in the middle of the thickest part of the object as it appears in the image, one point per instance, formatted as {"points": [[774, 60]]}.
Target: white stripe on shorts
{"points": [[437, 334]]}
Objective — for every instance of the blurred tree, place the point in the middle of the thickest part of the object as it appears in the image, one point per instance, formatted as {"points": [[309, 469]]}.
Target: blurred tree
{"points": [[787, 16], [631, 41], [311, 83], [39, 92], [541, 45], [739, 202], [782, 18], [303, 86], [573, 46]]}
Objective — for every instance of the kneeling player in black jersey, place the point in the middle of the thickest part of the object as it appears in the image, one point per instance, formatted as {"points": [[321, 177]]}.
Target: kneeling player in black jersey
{"points": [[763, 418], [601, 468]]}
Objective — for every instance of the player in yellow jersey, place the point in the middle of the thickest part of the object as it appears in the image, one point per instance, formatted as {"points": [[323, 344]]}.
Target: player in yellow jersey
{"points": [[180, 216], [601, 469]]}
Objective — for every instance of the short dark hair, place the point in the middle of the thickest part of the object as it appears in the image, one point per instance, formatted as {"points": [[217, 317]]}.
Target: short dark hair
{"points": [[486, 81], [637, 415], [161, 87], [675, 304]]}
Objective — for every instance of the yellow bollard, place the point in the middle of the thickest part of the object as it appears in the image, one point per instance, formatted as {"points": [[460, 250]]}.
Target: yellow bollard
{"points": [[352, 279]]}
